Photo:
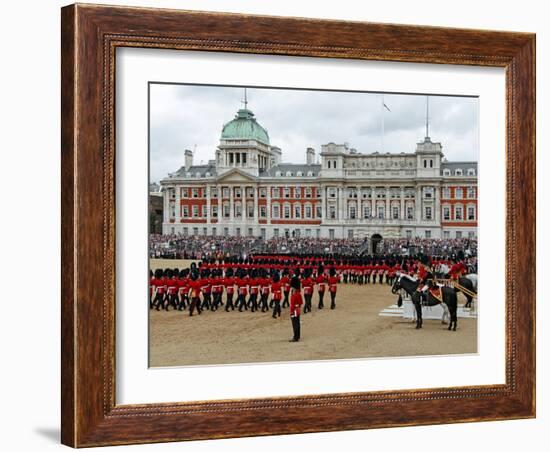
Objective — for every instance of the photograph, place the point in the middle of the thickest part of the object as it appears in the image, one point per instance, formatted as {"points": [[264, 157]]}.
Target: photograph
{"points": [[298, 224]]}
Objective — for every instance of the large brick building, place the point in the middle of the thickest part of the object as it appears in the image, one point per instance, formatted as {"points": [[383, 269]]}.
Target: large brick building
{"points": [[248, 190]]}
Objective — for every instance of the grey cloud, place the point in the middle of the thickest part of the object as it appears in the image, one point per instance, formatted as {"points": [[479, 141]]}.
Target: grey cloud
{"points": [[185, 116]]}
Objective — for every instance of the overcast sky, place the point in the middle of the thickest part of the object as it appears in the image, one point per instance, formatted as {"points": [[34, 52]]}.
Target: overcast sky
{"points": [[191, 117]]}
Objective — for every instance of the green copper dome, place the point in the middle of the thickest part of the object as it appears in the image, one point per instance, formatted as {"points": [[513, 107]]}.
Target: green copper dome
{"points": [[244, 127]]}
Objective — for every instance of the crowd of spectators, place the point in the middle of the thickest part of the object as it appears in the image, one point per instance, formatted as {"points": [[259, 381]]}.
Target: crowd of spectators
{"points": [[199, 247]]}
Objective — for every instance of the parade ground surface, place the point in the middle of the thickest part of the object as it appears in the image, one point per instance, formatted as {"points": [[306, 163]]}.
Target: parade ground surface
{"points": [[353, 330]]}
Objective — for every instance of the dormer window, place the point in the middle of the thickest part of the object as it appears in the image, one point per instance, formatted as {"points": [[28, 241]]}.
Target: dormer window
{"points": [[458, 172], [278, 174], [446, 172], [299, 174], [289, 174], [471, 172], [310, 174]]}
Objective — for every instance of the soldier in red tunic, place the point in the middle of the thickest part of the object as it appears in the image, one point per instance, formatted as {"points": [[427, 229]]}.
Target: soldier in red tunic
{"points": [[229, 283], [332, 281], [276, 290], [242, 291], [264, 292], [285, 281], [254, 285], [158, 284], [151, 288], [295, 306], [307, 284], [321, 285], [183, 288], [195, 286]]}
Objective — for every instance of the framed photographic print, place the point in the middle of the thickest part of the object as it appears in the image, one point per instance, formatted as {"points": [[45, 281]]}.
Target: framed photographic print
{"points": [[282, 225]]}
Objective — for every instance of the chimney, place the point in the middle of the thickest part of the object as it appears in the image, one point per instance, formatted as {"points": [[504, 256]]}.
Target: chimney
{"points": [[188, 159], [310, 156]]}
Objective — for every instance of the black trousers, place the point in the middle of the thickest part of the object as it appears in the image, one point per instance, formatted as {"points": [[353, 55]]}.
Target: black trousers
{"points": [[195, 304], [184, 301], [229, 303], [367, 278], [332, 300], [286, 304], [263, 302], [241, 302], [252, 302], [159, 300], [296, 327], [206, 301], [276, 308], [321, 296], [307, 304]]}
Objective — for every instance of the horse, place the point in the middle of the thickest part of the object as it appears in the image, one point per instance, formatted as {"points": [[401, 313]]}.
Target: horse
{"points": [[410, 285], [469, 282]]}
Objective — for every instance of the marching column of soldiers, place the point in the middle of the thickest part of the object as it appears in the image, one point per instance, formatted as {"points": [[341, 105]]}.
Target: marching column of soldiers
{"points": [[270, 283]]}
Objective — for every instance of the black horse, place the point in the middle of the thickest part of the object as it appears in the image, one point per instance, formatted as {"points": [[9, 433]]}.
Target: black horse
{"points": [[468, 282], [410, 285]]}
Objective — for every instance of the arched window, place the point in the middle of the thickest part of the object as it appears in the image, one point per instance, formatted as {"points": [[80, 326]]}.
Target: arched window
{"points": [[278, 174], [328, 163], [310, 174], [446, 172], [458, 172], [289, 174], [299, 174], [471, 172]]}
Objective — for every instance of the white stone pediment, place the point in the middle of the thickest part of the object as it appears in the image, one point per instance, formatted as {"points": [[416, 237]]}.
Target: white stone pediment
{"points": [[236, 176]]}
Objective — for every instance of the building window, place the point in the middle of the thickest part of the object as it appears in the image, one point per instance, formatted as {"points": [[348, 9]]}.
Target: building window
{"points": [[226, 210], [332, 212], [195, 211], [195, 231], [458, 192], [214, 211], [250, 210], [446, 172], [367, 211], [238, 210], [204, 231], [431, 163], [425, 163], [263, 233], [225, 192], [308, 232], [276, 192], [263, 211], [471, 234], [184, 192], [458, 172], [276, 212], [471, 172], [471, 213], [204, 211], [287, 192], [331, 233], [428, 234], [195, 192], [185, 211], [225, 232], [352, 211], [250, 230], [458, 234], [263, 192], [428, 213], [445, 192], [297, 192], [458, 213], [214, 192], [297, 211], [308, 192], [446, 213], [410, 213], [332, 192], [381, 212], [289, 174], [471, 192], [287, 211], [319, 211], [214, 232], [237, 192], [395, 212], [307, 210], [408, 234], [238, 230], [276, 232], [350, 233]]}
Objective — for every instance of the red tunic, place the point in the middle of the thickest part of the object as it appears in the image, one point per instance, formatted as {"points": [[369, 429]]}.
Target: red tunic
{"points": [[229, 284], [195, 288], [307, 283], [285, 281], [295, 303], [332, 281], [243, 287], [321, 283], [159, 284], [276, 290]]}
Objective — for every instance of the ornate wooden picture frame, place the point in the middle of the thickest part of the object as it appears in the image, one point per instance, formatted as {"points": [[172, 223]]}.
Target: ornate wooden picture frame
{"points": [[90, 37]]}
